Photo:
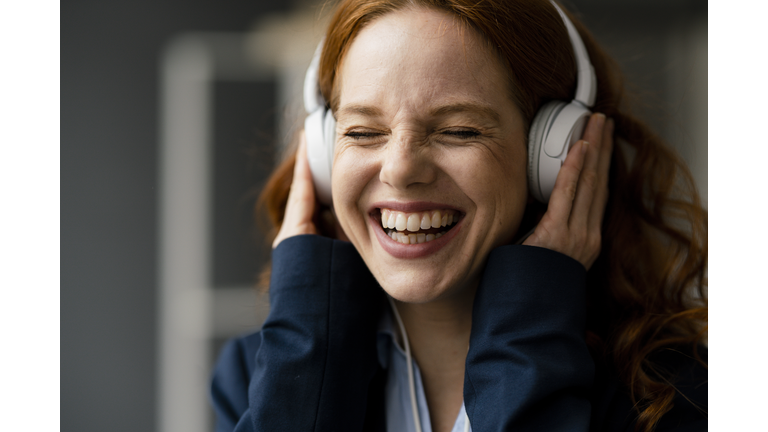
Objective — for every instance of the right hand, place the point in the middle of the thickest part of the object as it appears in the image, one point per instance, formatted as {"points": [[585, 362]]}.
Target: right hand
{"points": [[302, 205], [573, 222]]}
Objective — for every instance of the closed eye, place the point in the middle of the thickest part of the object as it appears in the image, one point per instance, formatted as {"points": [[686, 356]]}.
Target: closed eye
{"points": [[361, 135], [461, 133]]}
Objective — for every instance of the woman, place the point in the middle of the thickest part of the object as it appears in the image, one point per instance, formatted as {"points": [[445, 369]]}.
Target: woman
{"points": [[593, 323]]}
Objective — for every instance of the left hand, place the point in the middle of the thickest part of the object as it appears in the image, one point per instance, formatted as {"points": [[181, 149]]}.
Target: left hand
{"points": [[574, 217]]}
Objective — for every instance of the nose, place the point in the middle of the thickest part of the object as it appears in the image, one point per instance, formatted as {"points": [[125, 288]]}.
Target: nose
{"points": [[407, 163]]}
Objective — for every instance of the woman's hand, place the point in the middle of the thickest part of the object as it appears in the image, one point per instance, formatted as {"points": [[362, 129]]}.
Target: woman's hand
{"points": [[574, 217], [301, 206]]}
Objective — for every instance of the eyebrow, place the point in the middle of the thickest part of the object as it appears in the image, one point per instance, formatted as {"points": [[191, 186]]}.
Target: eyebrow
{"points": [[371, 111], [466, 107], [363, 110]]}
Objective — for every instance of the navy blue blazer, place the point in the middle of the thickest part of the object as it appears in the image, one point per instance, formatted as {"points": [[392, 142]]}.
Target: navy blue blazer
{"points": [[313, 366]]}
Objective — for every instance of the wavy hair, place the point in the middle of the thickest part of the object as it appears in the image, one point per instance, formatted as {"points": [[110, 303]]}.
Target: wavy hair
{"points": [[647, 289]]}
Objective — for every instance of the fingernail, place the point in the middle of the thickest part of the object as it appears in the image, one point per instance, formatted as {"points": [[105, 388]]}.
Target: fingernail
{"points": [[584, 146], [601, 119]]}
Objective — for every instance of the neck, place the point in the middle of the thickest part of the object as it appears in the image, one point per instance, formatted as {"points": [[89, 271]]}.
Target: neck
{"points": [[439, 338], [438, 331]]}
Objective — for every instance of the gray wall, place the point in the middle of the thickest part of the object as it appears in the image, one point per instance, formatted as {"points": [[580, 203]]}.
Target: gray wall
{"points": [[109, 134], [109, 158]]}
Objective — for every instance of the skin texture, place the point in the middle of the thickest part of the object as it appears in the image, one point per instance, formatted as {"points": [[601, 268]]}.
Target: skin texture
{"points": [[424, 117], [395, 147]]}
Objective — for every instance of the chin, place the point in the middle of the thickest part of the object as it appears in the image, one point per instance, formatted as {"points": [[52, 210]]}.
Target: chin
{"points": [[413, 290], [411, 295]]}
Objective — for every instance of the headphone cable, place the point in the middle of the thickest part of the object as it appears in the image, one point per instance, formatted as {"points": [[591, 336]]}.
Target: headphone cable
{"points": [[411, 380]]}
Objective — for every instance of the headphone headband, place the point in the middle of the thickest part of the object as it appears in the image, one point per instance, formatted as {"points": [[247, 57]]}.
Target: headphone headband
{"points": [[555, 127], [313, 98], [586, 82]]}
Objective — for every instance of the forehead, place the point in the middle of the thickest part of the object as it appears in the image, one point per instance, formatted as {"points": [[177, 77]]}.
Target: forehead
{"points": [[421, 56]]}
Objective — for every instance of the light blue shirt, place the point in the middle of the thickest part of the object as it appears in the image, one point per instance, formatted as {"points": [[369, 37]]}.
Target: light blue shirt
{"points": [[397, 396]]}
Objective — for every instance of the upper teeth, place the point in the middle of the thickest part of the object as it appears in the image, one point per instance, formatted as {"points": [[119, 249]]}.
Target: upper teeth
{"points": [[417, 221]]}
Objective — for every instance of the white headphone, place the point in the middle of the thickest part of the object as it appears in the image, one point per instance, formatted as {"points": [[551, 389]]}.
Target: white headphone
{"points": [[556, 126]]}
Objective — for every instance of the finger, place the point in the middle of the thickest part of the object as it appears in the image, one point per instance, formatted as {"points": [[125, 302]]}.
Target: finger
{"points": [[300, 208], [597, 212], [585, 191], [301, 198], [302, 186], [561, 201]]}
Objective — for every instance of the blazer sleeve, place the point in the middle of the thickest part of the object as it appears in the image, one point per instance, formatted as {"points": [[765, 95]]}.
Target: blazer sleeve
{"points": [[528, 366], [316, 355]]}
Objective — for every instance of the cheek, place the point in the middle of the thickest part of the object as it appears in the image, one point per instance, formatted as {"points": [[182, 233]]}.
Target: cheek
{"points": [[497, 185], [351, 174], [513, 202], [491, 177]]}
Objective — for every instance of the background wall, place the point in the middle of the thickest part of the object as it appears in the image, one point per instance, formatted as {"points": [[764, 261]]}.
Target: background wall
{"points": [[110, 74], [110, 133]]}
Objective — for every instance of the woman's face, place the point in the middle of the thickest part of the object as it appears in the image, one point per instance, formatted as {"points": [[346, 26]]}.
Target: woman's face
{"points": [[426, 134]]}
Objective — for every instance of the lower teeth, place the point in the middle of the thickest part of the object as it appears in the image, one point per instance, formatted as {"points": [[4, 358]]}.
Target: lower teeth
{"points": [[414, 238]]}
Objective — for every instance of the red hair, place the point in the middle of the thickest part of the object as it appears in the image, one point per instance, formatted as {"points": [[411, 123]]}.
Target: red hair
{"points": [[641, 298]]}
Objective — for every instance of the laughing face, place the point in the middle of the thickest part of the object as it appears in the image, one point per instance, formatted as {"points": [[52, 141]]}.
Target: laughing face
{"points": [[429, 171]]}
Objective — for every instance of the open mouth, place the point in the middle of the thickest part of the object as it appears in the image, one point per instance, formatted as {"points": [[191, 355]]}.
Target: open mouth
{"points": [[418, 227]]}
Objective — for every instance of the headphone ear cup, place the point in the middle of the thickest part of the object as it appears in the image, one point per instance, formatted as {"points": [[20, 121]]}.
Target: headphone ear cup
{"points": [[329, 136], [537, 135], [556, 127], [318, 152]]}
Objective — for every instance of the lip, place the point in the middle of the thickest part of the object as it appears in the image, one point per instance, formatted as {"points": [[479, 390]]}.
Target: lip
{"points": [[399, 250]]}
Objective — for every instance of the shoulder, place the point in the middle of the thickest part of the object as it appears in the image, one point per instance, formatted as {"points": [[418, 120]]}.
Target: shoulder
{"points": [[240, 351], [231, 377]]}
